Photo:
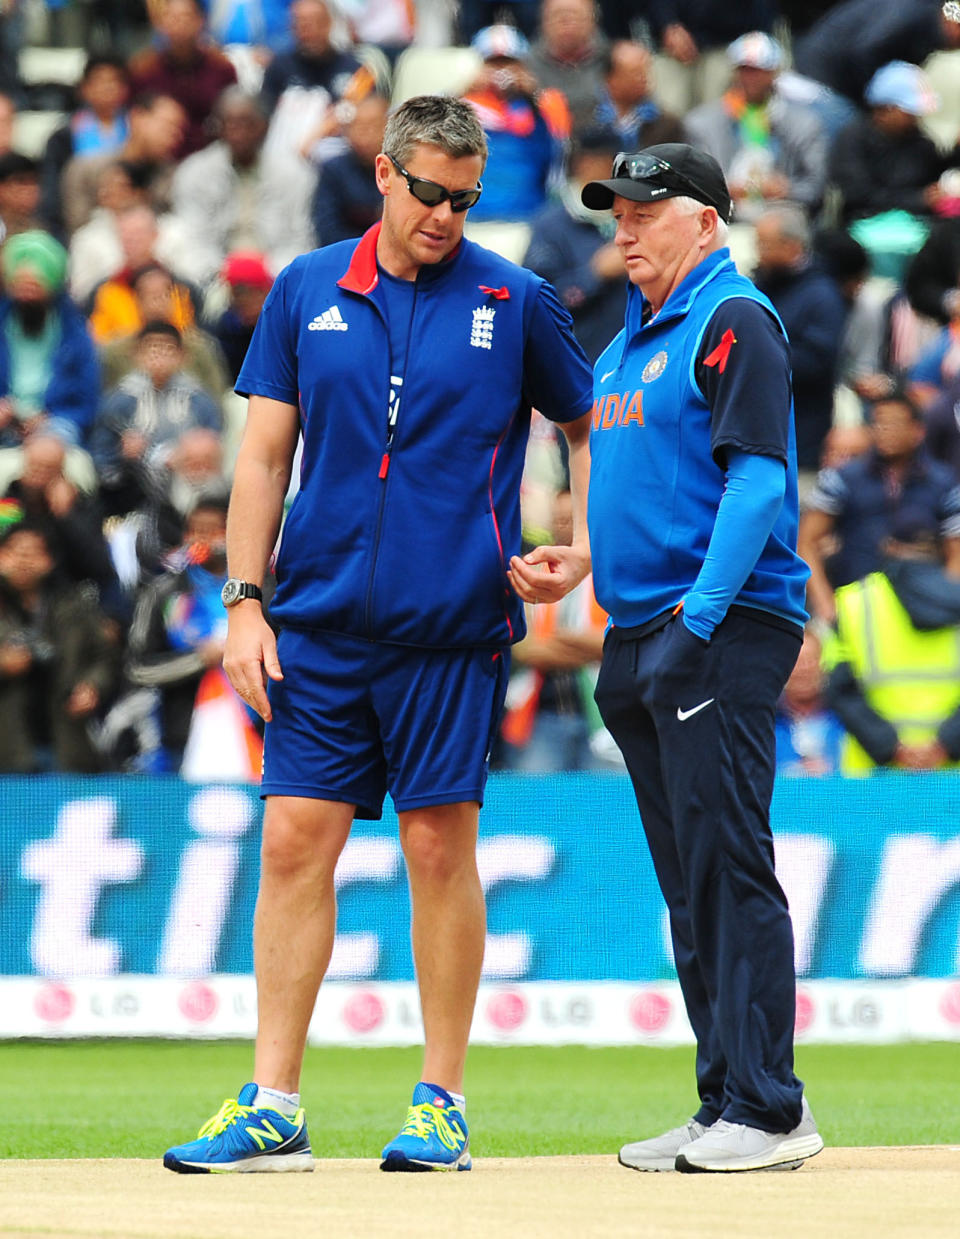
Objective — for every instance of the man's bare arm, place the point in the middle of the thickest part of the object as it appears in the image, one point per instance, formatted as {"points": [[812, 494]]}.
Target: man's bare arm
{"points": [[260, 481]]}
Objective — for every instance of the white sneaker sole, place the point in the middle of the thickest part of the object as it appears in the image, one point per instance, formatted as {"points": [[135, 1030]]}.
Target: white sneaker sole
{"points": [[410, 1165], [787, 1155], [663, 1165], [292, 1162]]}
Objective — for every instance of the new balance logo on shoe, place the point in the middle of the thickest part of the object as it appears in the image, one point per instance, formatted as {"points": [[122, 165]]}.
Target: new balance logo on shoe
{"points": [[329, 320]]}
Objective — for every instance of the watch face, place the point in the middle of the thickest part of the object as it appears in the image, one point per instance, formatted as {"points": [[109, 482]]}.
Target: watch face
{"points": [[230, 592]]}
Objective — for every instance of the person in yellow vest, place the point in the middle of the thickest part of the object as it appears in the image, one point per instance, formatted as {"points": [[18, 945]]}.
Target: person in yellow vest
{"points": [[894, 660]]}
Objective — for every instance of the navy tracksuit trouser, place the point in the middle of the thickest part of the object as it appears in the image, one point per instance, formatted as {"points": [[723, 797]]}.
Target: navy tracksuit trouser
{"points": [[695, 723]]}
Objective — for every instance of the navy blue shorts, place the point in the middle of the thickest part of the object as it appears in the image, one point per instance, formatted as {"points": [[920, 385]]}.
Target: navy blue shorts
{"points": [[353, 719]]}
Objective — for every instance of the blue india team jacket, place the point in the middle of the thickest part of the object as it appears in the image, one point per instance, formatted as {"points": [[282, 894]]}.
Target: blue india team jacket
{"points": [[657, 444], [402, 533]]}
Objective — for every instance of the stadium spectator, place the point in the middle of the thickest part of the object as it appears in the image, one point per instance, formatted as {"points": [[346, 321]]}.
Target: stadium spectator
{"points": [[347, 201], [71, 520], [263, 25], [248, 281], [894, 662], [225, 197], [858, 504], [814, 312], [19, 194], [57, 663], [142, 418], [113, 309], [156, 130], [179, 627], [386, 24], [932, 279], [97, 247], [98, 126], [186, 67], [524, 128], [769, 149], [313, 64], [863, 348], [569, 55], [157, 296], [936, 367], [884, 162], [942, 420], [305, 88], [194, 470], [626, 104], [550, 719], [808, 733], [692, 37], [573, 248], [49, 375], [853, 39]]}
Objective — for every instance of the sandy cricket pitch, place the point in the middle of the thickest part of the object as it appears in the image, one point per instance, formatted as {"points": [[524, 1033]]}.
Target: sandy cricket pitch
{"points": [[883, 1193]]}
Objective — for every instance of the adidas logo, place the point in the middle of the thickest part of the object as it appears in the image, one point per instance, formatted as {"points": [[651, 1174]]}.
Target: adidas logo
{"points": [[329, 320]]}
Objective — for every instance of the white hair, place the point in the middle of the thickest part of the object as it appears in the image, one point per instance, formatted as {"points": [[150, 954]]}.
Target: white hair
{"points": [[691, 206]]}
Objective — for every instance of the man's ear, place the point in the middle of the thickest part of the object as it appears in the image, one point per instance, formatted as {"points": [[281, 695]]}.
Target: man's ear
{"points": [[382, 168]]}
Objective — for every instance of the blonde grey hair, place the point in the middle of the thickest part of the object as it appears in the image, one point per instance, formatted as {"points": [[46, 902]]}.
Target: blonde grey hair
{"points": [[691, 206], [434, 120]]}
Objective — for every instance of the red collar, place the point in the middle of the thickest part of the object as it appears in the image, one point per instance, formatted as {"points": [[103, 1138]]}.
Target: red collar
{"points": [[362, 275]]}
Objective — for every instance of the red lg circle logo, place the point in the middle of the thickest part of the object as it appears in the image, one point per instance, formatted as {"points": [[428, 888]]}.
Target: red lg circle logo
{"points": [[805, 1012], [54, 1003], [198, 1003], [507, 1010], [364, 1012], [950, 1005], [650, 1011]]}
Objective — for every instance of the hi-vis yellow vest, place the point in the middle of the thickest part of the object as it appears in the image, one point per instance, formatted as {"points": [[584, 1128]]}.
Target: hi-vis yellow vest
{"points": [[910, 677]]}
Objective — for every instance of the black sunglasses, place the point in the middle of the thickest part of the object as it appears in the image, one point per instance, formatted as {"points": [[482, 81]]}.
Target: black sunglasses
{"points": [[652, 168], [431, 194]]}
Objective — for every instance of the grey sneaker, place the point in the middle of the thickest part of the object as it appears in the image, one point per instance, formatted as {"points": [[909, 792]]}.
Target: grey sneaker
{"points": [[729, 1147], [660, 1153]]}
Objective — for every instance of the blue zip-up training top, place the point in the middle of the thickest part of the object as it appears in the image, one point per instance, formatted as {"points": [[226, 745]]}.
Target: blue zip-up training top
{"points": [[673, 392], [409, 510]]}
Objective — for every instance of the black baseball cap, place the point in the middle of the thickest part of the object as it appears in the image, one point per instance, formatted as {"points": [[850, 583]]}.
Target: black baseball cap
{"points": [[669, 170]]}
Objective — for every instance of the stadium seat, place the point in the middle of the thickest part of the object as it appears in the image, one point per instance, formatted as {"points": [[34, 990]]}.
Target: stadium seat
{"points": [[49, 76], [506, 239], [434, 71], [52, 64], [943, 70], [31, 130]]}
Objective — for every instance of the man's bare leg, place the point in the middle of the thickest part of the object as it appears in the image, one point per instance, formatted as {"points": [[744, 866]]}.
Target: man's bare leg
{"points": [[294, 927], [448, 930]]}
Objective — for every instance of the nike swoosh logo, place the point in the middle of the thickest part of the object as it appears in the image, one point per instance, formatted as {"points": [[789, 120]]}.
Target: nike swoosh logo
{"points": [[683, 715], [604, 377]]}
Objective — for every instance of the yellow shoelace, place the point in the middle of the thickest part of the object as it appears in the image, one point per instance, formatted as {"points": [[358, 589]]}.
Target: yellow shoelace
{"points": [[229, 1112], [425, 1120]]}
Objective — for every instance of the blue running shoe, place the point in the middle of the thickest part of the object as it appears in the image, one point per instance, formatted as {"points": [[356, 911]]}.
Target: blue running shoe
{"points": [[244, 1138], [434, 1137]]}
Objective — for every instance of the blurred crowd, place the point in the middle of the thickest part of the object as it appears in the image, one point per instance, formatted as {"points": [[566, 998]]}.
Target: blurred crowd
{"points": [[179, 174]]}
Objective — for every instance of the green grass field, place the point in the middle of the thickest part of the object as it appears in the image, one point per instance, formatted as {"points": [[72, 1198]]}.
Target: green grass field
{"points": [[134, 1098]]}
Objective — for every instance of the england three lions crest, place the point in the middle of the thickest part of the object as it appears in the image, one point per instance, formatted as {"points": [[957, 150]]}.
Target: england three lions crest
{"points": [[481, 333]]}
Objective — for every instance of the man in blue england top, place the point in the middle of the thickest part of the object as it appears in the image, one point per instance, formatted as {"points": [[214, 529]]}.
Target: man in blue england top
{"points": [[693, 526], [409, 363]]}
